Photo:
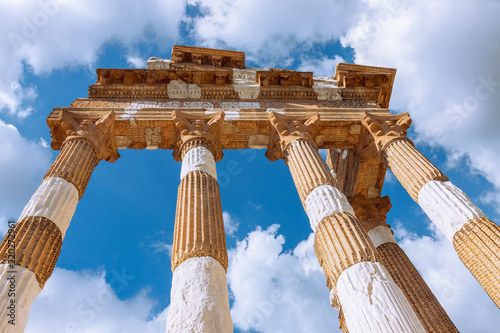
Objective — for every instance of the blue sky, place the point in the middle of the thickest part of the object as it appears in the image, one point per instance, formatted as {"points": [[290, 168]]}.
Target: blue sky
{"points": [[114, 274]]}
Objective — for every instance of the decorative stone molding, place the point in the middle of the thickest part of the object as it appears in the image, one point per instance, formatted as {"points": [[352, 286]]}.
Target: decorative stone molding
{"points": [[153, 137], [372, 301], [340, 243], [286, 129], [371, 212], [205, 128], [98, 131], [38, 244], [201, 56], [385, 129], [426, 306], [158, 63], [180, 89], [477, 245], [284, 78], [366, 82]]}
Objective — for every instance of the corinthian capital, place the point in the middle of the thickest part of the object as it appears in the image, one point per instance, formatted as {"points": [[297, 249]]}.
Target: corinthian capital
{"points": [[286, 129], [99, 131], [371, 212], [200, 130], [384, 129]]}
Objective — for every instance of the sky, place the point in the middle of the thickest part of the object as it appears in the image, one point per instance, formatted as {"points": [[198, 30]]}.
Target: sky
{"points": [[113, 274]]}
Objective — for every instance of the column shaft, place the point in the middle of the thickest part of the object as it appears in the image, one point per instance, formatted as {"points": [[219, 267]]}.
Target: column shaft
{"points": [[29, 251], [342, 247], [199, 301], [447, 206]]}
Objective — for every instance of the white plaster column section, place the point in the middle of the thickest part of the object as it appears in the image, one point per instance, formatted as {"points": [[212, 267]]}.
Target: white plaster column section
{"points": [[199, 159], [26, 288], [447, 206], [381, 235], [323, 201], [56, 200], [372, 302], [199, 301]]}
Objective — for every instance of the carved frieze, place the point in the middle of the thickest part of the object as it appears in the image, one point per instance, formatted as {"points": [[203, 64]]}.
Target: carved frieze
{"points": [[153, 137], [200, 56], [365, 82], [284, 78]]}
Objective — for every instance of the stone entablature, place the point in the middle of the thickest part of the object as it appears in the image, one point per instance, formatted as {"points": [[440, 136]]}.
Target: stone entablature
{"points": [[201, 56], [365, 82]]}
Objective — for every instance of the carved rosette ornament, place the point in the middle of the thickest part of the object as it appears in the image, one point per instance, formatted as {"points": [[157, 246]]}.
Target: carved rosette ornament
{"points": [[287, 129], [198, 130]]}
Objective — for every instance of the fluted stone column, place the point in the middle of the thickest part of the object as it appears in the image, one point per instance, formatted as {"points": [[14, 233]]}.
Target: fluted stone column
{"points": [[199, 301], [372, 215], [475, 238], [29, 251], [370, 299]]}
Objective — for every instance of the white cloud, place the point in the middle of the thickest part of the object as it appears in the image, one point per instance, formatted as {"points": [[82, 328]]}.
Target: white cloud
{"points": [[448, 74], [324, 67], [52, 34], [84, 302], [271, 29], [136, 62], [277, 291], [22, 166], [230, 223], [465, 301]]}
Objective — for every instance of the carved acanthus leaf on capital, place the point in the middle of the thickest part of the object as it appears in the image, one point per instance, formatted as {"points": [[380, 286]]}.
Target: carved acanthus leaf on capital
{"points": [[384, 129], [371, 212], [286, 129], [98, 131], [205, 128]]}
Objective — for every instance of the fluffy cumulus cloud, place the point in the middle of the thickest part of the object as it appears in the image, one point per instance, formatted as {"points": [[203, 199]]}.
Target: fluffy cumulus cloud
{"points": [[52, 34], [465, 301], [446, 53], [85, 302], [22, 166], [277, 291], [271, 29]]}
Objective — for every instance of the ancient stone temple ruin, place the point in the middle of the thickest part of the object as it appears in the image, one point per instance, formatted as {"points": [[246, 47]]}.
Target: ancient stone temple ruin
{"points": [[203, 101]]}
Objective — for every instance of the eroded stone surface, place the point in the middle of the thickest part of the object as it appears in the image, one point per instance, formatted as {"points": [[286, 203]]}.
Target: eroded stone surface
{"points": [[372, 302], [380, 235], [199, 301], [325, 200], [199, 158], [55, 199], [26, 289], [447, 206]]}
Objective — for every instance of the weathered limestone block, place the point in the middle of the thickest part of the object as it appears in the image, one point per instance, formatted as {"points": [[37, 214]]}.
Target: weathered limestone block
{"points": [[372, 302], [325, 200], [447, 206], [56, 200], [26, 289], [199, 301], [198, 159], [380, 235]]}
